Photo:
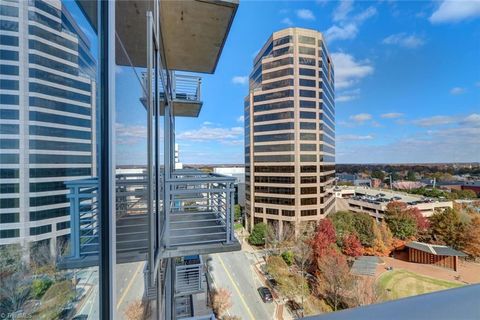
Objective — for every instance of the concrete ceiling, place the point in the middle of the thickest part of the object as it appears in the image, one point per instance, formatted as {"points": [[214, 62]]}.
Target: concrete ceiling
{"points": [[193, 31]]}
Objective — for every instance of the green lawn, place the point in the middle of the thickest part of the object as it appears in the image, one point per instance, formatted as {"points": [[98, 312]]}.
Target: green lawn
{"points": [[401, 283], [237, 226]]}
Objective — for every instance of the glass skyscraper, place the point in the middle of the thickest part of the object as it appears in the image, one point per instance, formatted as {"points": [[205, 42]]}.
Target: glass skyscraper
{"points": [[47, 120]]}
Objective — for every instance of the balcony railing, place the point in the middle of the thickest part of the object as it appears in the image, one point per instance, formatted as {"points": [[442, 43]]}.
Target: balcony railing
{"points": [[199, 209], [131, 218], [186, 96], [188, 275], [186, 87], [198, 217]]}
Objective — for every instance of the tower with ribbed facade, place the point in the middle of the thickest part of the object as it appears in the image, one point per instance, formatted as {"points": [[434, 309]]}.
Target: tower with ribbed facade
{"points": [[47, 120], [290, 132]]}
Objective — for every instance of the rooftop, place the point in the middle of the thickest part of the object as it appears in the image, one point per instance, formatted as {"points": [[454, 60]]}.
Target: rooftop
{"points": [[435, 249], [379, 196], [458, 303]]}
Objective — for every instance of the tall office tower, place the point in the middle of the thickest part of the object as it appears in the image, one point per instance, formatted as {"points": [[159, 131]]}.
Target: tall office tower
{"points": [[47, 120], [290, 132]]}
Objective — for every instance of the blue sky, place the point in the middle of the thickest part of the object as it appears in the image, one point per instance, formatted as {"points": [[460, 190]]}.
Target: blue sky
{"points": [[407, 80]]}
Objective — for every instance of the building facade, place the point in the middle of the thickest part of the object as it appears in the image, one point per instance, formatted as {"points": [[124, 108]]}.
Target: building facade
{"points": [[47, 120], [290, 131], [88, 153], [239, 174]]}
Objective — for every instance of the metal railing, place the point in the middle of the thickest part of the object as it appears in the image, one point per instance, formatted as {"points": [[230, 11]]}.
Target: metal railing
{"points": [[186, 87], [131, 209], [83, 217], [188, 275], [199, 209]]}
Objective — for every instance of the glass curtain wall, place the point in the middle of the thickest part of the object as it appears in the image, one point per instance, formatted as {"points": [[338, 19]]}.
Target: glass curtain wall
{"points": [[140, 86], [49, 164]]}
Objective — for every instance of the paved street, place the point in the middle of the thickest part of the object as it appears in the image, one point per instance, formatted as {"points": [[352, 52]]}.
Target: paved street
{"points": [[234, 271], [129, 287]]}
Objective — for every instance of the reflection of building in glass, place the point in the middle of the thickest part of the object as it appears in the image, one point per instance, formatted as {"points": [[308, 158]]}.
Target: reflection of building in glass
{"points": [[290, 131], [178, 164], [47, 120], [239, 174]]}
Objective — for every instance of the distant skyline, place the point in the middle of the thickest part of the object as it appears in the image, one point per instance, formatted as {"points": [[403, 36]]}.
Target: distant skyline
{"points": [[407, 81]]}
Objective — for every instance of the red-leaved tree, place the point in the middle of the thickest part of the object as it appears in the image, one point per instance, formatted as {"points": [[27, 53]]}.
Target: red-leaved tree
{"points": [[352, 246], [324, 239], [422, 223]]}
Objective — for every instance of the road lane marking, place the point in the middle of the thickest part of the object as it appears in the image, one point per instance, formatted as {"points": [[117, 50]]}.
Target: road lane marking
{"points": [[236, 289], [128, 286]]}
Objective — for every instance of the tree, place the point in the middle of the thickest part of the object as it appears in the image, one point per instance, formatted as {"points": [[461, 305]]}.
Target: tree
{"points": [[404, 223], [221, 301], [402, 226], [462, 194], [288, 257], [258, 235], [378, 174], [411, 176], [364, 292], [334, 279], [135, 311], [360, 224], [323, 239], [343, 224], [14, 292], [472, 246], [352, 246], [446, 227], [237, 212]]}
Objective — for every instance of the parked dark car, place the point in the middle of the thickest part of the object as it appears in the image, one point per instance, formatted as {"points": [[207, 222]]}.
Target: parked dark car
{"points": [[265, 294]]}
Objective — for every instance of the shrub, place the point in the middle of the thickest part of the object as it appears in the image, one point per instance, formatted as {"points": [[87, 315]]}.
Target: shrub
{"points": [[288, 257], [259, 232], [40, 286], [135, 311], [221, 301]]}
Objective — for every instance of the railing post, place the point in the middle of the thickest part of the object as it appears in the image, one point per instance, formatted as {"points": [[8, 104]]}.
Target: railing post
{"points": [[232, 210], [166, 235], [74, 222], [227, 212]]}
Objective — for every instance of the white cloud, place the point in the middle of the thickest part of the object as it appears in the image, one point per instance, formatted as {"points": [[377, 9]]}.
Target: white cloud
{"points": [[354, 137], [435, 121], [305, 14], [347, 27], [404, 40], [241, 119], [457, 90], [348, 71], [348, 31], [286, 21], [344, 8], [454, 140], [322, 2], [361, 117], [472, 119], [455, 11], [207, 123], [391, 115], [240, 80], [130, 134], [347, 95], [222, 135]]}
